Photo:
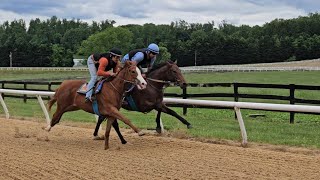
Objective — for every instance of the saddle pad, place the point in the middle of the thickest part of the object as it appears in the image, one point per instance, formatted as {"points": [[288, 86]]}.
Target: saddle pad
{"points": [[131, 103], [83, 89]]}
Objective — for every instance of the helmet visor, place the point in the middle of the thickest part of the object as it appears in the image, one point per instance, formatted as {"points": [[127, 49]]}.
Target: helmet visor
{"points": [[115, 54]]}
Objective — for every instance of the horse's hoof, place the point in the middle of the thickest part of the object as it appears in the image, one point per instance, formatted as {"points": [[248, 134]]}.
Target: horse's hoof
{"points": [[106, 147], [244, 144], [189, 126], [124, 142], [48, 128], [98, 138], [141, 133], [158, 130]]}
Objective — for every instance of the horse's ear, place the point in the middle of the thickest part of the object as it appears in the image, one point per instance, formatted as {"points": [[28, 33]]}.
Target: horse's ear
{"points": [[175, 62]]}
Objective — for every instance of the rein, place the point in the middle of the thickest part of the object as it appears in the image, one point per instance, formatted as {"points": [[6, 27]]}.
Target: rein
{"points": [[159, 81], [115, 87]]}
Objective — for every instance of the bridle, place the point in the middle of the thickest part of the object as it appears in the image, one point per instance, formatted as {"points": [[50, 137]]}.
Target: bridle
{"points": [[133, 83]]}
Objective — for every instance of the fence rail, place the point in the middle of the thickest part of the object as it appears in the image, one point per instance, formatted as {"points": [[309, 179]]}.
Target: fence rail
{"points": [[190, 69], [235, 95], [44, 68]]}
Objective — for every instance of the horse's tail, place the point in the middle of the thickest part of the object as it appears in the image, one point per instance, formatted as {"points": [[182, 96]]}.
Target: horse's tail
{"points": [[53, 100]]}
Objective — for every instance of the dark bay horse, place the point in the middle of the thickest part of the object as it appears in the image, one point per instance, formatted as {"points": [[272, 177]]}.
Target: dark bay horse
{"points": [[151, 97], [109, 99]]}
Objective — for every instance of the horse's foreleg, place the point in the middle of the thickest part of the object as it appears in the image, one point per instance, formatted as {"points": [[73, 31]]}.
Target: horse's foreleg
{"points": [[107, 133], [116, 127], [169, 111], [158, 128], [116, 114]]}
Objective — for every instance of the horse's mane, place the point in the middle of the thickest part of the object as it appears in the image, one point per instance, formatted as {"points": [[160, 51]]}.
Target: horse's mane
{"points": [[110, 78], [157, 66]]}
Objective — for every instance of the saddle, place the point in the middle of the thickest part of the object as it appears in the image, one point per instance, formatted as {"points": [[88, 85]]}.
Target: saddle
{"points": [[97, 87]]}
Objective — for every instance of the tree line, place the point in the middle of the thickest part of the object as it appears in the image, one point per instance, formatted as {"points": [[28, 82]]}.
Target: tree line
{"points": [[55, 42]]}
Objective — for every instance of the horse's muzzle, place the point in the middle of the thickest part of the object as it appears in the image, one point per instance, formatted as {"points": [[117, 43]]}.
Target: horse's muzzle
{"points": [[141, 85]]}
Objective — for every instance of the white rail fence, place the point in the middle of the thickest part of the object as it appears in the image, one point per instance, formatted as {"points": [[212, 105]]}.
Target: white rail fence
{"points": [[244, 69], [38, 94], [224, 68], [235, 105], [45, 68]]}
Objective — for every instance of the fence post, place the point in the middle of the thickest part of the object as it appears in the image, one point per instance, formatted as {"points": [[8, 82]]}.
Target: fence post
{"points": [[235, 95], [184, 96], [49, 89], [25, 88], [292, 101], [2, 88]]}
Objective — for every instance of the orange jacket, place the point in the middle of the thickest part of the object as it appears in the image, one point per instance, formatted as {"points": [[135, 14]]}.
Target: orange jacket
{"points": [[102, 66]]}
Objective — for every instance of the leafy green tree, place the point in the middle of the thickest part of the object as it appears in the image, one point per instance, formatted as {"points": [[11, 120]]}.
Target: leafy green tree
{"points": [[53, 41], [73, 37], [61, 57], [105, 40], [164, 55]]}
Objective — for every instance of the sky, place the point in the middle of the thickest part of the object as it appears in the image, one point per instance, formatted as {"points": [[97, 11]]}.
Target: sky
{"points": [[237, 12]]}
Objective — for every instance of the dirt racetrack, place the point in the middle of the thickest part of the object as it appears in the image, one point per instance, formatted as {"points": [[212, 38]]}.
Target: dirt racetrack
{"points": [[28, 152]]}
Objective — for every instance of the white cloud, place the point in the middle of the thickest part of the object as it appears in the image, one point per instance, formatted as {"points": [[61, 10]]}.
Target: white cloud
{"points": [[11, 16], [233, 11], [162, 12]]}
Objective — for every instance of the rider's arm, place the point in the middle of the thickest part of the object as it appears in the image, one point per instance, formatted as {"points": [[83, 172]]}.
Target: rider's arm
{"points": [[125, 58], [117, 68], [102, 66], [138, 57], [151, 63]]}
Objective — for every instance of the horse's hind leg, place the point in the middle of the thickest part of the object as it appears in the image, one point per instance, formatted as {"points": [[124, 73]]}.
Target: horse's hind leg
{"points": [[55, 119], [169, 111], [96, 130], [58, 114]]}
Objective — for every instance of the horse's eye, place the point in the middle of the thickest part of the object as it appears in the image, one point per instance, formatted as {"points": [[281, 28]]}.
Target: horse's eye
{"points": [[133, 72]]}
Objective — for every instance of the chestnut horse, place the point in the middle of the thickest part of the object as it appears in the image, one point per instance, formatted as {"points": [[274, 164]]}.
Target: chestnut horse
{"points": [[151, 97], [109, 99]]}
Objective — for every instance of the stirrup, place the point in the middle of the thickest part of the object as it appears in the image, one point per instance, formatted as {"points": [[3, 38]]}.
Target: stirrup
{"points": [[88, 99]]}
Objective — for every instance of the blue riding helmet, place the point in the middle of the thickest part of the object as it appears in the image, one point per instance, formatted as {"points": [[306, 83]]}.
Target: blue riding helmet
{"points": [[153, 48]]}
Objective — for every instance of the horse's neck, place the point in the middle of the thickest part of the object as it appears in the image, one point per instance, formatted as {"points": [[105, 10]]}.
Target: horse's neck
{"points": [[118, 83], [159, 74]]}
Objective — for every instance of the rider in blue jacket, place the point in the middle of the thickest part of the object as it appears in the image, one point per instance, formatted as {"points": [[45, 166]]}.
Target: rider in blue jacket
{"points": [[145, 56]]}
